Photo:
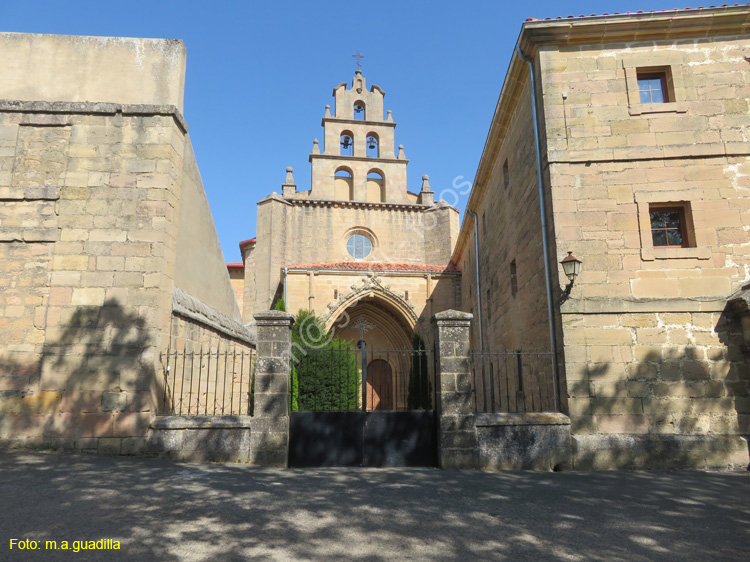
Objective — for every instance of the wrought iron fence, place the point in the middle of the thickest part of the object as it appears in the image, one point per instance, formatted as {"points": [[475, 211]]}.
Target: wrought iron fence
{"points": [[208, 382], [513, 381], [332, 379]]}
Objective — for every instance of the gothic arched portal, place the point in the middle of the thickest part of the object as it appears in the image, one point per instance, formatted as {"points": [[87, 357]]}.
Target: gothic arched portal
{"points": [[388, 335]]}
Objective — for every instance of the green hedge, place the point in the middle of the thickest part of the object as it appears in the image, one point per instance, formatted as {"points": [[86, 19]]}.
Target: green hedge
{"points": [[325, 370]]}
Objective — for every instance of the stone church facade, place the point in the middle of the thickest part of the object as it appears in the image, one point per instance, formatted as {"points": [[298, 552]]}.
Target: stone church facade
{"points": [[358, 243], [621, 139]]}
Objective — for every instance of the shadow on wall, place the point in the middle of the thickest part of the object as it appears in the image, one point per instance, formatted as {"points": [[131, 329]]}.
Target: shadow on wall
{"points": [[679, 406], [733, 333], [95, 378]]}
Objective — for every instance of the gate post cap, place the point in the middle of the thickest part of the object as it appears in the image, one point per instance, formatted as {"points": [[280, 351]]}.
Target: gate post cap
{"points": [[452, 316], [273, 318]]}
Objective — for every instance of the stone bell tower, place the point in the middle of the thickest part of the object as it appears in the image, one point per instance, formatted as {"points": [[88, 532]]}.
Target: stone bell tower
{"points": [[359, 161]]}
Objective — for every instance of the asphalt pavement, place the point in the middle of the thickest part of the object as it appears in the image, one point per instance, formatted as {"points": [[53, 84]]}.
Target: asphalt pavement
{"points": [[160, 510]]}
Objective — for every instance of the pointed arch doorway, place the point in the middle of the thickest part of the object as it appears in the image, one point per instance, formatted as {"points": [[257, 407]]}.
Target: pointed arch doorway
{"points": [[393, 421]]}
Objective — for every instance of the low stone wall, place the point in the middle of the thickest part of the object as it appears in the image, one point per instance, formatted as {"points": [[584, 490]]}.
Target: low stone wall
{"points": [[217, 438], [532, 441], [605, 452], [488, 441], [261, 438], [195, 324]]}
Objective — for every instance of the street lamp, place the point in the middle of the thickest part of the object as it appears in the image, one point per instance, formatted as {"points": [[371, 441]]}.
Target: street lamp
{"points": [[572, 267]]}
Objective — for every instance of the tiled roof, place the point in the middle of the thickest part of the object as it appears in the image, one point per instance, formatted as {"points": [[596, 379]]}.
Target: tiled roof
{"points": [[379, 266], [235, 265], [250, 241], [632, 13]]}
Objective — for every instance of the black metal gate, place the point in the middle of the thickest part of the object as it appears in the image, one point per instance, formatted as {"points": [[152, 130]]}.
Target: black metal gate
{"points": [[354, 407]]}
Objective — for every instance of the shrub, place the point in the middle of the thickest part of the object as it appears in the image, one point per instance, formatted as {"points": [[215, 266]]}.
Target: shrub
{"points": [[419, 393], [325, 373]]}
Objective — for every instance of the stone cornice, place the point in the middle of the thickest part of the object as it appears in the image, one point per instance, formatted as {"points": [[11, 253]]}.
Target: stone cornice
{"points": [[355, 122], [650, 26], [357, 159], [359, 204], [368, 273], [595, 305], [669, 152], [93, 108]]}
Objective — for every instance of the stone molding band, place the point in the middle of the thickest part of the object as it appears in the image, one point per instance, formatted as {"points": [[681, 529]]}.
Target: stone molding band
{"points": [[626, 306], [88, 107]]}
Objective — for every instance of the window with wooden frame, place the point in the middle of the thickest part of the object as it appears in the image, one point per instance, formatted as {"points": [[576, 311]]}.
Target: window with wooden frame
{"points": [[668, 226], [655, 88], [655, 85]]}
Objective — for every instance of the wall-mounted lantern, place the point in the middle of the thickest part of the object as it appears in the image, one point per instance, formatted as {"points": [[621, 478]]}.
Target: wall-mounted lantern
{"points": [[572, 267]]}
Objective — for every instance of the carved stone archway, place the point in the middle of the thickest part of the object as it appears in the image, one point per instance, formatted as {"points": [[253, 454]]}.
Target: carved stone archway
{"points": [[371, 288]]}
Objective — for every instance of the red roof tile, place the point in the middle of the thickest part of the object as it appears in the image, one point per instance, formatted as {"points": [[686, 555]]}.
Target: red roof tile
{"points": [[235, 265], [379, 266], [631, 13], [250, 241]]}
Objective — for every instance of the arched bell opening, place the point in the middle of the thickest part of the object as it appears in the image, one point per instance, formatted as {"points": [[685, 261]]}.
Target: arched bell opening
{"points": [[346, 142], [360, 111]]}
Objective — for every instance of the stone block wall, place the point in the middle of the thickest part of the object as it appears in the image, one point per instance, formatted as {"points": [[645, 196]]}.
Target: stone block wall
{"points": [[511, 270], [103, 181], [655, 372], [90, 196], [675, 377]]}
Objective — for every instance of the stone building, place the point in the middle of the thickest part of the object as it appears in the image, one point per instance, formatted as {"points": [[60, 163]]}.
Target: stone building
{"points": [[628, 148], [358, 243], [108, 252]]}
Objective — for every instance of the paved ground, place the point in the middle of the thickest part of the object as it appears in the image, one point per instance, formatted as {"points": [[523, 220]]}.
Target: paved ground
{"points": [[166, 511]]}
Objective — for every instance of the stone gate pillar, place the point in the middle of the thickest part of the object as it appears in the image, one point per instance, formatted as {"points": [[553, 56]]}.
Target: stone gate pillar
{"points": [[457, 439], [270, 436]]}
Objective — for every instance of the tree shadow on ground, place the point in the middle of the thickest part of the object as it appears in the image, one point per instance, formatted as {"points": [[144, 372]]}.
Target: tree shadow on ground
{"points": [[163, 511]]}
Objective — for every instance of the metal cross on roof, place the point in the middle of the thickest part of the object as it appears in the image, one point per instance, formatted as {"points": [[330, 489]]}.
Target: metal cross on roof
{"points": [[362, 326], [358, 56]]}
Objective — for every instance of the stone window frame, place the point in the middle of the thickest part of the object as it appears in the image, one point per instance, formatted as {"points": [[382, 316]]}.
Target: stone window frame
{"points": [[362, 231], [668, 63], [685, 198]]}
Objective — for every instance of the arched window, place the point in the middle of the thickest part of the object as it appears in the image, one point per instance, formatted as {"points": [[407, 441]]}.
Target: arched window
{"points": [[373, 146], [359, 111], [347, 143], [343, 185], [375, 187]]}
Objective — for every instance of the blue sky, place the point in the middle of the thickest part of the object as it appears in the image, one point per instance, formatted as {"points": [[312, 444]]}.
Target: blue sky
{"points": [[259, 75]]}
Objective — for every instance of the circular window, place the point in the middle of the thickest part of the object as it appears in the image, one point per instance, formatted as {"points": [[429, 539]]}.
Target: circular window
{"points": [[359, 246]]}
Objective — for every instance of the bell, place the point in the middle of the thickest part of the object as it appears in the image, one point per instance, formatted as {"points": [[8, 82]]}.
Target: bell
{"points": [[358, 108], [372, 144], [346, 142]]}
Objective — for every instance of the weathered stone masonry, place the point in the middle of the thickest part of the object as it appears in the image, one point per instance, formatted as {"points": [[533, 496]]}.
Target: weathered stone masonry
{"points": [[93, 197]]}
